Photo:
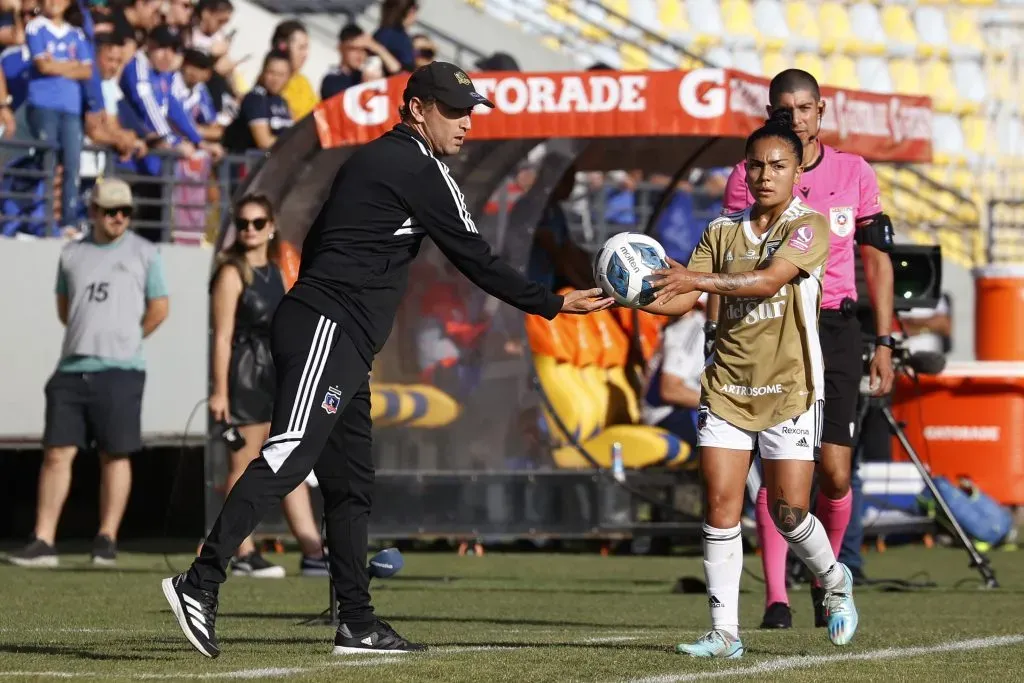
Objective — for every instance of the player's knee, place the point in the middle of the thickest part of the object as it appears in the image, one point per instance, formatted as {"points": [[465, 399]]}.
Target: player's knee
{"points": [[834, 480], [787, 517], [722, 510]]}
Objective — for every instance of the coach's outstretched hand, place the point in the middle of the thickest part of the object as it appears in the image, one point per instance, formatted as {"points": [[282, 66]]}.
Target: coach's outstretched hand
{"points": [[586, 301]]}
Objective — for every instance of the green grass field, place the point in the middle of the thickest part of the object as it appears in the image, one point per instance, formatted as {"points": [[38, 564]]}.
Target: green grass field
{"points": [[521, 617]]}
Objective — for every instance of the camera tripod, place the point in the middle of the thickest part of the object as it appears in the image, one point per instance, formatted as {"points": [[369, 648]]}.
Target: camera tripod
{"points": [[978, 561]]}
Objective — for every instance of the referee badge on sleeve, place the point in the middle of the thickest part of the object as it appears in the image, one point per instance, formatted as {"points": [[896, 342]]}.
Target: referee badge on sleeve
{"points": [[840, 220]]}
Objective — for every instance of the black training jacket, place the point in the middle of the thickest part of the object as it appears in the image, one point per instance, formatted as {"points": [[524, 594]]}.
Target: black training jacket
{"points": [[389, 195]]}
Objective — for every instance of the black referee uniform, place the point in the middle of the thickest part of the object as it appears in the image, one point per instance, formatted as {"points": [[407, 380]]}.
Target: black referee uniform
{"points": [[386, 198]]}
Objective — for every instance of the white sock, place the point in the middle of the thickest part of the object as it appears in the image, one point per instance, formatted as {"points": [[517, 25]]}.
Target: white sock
{"points": [[723, 565], [810, 543]]}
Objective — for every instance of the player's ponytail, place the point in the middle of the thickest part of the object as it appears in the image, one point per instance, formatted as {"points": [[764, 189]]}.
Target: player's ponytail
{"points": [[778, 125]]}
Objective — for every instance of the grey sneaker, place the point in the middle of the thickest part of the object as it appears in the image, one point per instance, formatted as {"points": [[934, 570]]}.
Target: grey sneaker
{"points": [[256, 566], [36, 554], [104, 551]]}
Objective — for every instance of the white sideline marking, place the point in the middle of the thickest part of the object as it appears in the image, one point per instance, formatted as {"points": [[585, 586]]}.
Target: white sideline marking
{"points": [[806, 661]]}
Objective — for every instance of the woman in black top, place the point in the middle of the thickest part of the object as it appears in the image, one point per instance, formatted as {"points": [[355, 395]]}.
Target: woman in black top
{"points": [[247, 287]]}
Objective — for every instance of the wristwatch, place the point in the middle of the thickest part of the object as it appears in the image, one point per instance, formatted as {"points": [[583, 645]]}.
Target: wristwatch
{"points": [[885, 340]]}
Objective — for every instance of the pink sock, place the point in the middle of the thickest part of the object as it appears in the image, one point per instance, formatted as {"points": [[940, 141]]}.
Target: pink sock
{"points": [[773, 552], [834, 515]]}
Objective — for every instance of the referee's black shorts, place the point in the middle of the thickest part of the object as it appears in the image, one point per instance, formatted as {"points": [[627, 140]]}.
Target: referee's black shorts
{"points": [[841, 348]]}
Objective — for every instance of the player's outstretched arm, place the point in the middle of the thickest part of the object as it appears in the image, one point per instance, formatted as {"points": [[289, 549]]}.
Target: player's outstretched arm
{"points": [[586, 301], [763, 283]]}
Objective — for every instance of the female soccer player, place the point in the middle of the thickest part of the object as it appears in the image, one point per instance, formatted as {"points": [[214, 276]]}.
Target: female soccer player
{"points": [[763, 386]]}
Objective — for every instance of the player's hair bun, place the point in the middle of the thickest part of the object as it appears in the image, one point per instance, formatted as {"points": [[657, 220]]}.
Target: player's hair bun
{"points": [[781, 117]]}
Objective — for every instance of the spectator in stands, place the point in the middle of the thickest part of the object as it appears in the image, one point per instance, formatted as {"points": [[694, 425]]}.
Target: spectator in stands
{"points": [[673, 376], [110, 296], [103, 127], [60, 62], [396, 18], [247, 286], [556, 261], [291, 38], [189, 86], [928, 329], [498, 61], [12, 23], [424, 50], [178, 16], [355, 47], [142, 15], [209, 32], [263, 114], [14, 88]]}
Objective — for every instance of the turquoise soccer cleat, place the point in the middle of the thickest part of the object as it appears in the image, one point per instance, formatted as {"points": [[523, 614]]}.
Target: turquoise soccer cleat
{"points": [[840, 611], [713, 644]]}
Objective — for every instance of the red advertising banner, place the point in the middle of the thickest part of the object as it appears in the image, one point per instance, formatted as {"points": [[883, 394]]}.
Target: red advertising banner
{"points": [[596, 104]]}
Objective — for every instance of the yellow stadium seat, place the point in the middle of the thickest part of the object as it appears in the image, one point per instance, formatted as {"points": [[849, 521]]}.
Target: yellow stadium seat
{"points": [[906, 78], [562, 12], [434, 408], [810, 62], [620, 9], [551, 43], [974, 135], [690, 62], [963, 29], [841, 72], [773, 62], [899, 28], [836, 30], [802, 20], [1000, 83], [672, 17], [738, 21], [938, 84], [634, 58]]}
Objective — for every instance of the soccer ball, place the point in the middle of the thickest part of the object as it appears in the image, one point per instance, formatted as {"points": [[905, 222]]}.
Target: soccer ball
{"points": [[623, 267]]}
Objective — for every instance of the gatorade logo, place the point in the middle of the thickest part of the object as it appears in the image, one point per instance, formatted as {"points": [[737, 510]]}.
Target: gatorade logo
{"points": [[367, 103], [702, 93], [961, 433]]}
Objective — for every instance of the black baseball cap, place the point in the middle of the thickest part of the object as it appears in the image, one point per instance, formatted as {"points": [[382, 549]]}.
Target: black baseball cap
{"points": [[446, 83]]}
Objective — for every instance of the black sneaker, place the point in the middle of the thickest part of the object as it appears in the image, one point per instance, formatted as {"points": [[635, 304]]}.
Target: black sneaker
{"points": [[777, 615], [196, 612], [314, 566], [379, 638], [818, 598], [104, 551], [36, 554], [257, 566]]}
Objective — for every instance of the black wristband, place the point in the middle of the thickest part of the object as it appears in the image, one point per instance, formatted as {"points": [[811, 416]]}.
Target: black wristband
{"points": [[710, 327], [885, 340]]}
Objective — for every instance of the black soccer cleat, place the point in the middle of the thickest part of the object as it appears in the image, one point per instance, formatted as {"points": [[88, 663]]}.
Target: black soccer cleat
{"points": [[818, 598], [196, 611], [379, 638], [778, 615]]}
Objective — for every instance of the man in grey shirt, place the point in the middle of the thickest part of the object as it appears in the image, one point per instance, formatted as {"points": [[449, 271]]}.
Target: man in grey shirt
{"points": [[110, 295]]}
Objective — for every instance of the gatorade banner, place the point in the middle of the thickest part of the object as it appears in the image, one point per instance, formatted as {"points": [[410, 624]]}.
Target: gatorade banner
{"points": [[709, 103]]}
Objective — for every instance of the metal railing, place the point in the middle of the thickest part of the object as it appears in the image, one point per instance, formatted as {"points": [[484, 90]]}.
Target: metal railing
{"points": [[181, 202]]}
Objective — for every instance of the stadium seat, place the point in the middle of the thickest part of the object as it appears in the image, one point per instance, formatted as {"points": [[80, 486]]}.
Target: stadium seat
{"points": [[999, 82], [841, 72], [705, 24], [738, 24], [970, 84], [720, 56], [748, 61], [947, 140], [930, 23], [873, 74], [939, 85], [964, 33], [899, 30], [803, 26], [974, 131], [906, 78], [867, 24], [836, 30], [672, 19], [633, 58], [770, 18], [561, 12], [810, 62], [773, 62], [594, 21]]}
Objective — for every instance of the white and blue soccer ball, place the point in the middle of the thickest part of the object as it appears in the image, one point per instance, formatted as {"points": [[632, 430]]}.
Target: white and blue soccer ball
{"points": [[623, 268]]}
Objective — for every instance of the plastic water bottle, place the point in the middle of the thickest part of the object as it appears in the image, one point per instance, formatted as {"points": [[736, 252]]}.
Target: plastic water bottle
{"points": [[618, 469]]}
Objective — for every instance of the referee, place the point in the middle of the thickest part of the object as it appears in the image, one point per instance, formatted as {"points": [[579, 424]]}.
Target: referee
{"points": [[389, 195]]}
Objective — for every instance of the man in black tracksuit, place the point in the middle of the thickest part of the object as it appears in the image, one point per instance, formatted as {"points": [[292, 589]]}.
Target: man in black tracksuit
{"points": [[385, 199]]}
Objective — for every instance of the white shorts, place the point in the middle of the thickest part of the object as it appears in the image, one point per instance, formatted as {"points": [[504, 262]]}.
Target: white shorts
{"points": [[796, 439]]}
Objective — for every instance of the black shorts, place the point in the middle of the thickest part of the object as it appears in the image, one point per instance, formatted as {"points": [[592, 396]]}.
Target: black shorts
{"points": [[104, 408], [842, 349]]}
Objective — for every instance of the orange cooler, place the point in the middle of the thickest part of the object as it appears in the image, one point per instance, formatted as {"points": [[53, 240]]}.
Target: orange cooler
{"points": [[968, 421], [999, 313]]}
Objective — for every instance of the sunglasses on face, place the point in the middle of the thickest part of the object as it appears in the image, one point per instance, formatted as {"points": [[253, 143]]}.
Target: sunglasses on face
{"points": [[125, 211], [257, 224], [426, 53]]}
